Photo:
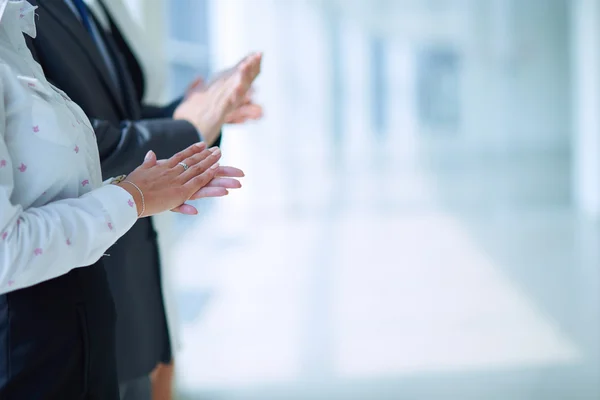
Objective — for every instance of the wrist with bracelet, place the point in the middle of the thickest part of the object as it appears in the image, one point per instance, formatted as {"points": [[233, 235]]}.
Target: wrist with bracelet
{"points": [[122, 179]]}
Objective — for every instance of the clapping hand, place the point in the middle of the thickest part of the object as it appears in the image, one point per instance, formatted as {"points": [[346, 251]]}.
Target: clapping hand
{"points": [[193, 173], [227, 98]]}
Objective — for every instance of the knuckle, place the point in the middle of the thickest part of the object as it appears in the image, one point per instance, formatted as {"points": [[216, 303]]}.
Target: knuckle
{"points": [[199, 157], [177, 157], [198, 169], [206, 153], [196, 158], [182, 153]]}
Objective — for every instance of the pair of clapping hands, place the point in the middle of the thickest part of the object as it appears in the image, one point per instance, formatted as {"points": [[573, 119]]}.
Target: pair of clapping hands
{"points": [[194, 173]]}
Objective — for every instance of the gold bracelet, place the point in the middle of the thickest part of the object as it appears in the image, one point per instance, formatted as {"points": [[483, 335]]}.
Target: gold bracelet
{"points": [[118, 179], [141, 194]]}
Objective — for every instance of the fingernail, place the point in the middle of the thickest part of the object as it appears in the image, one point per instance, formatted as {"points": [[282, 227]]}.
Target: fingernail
{"points": [[214, 148], [199, 144], [148, 155], [215, 166], [216, 151]]}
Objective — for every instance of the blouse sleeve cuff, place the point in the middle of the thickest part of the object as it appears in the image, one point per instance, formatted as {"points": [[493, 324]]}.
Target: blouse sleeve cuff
{"points": [[119, 207]]}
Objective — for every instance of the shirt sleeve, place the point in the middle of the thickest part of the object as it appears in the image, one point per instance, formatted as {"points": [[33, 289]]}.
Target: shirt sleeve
{"points": [[41, 243]]}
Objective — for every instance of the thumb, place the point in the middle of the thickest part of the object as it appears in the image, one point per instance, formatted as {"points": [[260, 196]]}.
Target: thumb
{"points": [[150, 159], [196, 85]]}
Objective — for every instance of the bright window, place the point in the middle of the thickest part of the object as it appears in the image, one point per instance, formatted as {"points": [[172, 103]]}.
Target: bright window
{"points": [[187, 44]]}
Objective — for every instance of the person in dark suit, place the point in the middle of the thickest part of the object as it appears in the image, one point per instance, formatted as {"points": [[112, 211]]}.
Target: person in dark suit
{"points": [[98, 71]]}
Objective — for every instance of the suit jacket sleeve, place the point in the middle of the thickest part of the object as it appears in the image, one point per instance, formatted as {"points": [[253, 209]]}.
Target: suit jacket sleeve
{"points": [[151, 111], [122, 148]]}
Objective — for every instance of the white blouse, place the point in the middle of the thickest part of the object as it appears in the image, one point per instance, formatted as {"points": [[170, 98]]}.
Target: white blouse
{"points": [[55, 212]]}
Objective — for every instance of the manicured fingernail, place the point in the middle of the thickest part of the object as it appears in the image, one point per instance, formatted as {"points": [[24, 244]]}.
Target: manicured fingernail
{"points": [[215, 166], [199, 144], [148, 155], [216, 151], [214, 148]]}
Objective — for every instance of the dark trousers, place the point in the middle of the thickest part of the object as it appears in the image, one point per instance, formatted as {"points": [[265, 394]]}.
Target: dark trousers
{"points": [[136, 389], [57, 339]]}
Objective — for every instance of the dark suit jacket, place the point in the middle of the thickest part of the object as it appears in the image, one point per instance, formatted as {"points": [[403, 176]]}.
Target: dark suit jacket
{"points": [[125, 131]]}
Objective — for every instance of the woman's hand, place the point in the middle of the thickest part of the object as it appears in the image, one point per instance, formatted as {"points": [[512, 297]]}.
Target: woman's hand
{"points": [[167, 185], [218, 187]]}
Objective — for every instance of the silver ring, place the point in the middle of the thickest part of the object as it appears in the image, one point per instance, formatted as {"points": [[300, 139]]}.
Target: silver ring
{"points": [[184, 165]]}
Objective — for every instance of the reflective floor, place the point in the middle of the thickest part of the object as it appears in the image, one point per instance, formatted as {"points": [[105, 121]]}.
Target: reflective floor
{"points": [[361, 264]]}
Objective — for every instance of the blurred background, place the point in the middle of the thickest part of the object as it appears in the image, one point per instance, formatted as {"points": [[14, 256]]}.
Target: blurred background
{"points": [[420, 214]]}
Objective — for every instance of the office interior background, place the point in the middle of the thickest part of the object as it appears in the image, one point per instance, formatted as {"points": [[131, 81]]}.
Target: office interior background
{"points": [[420, 214]]}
